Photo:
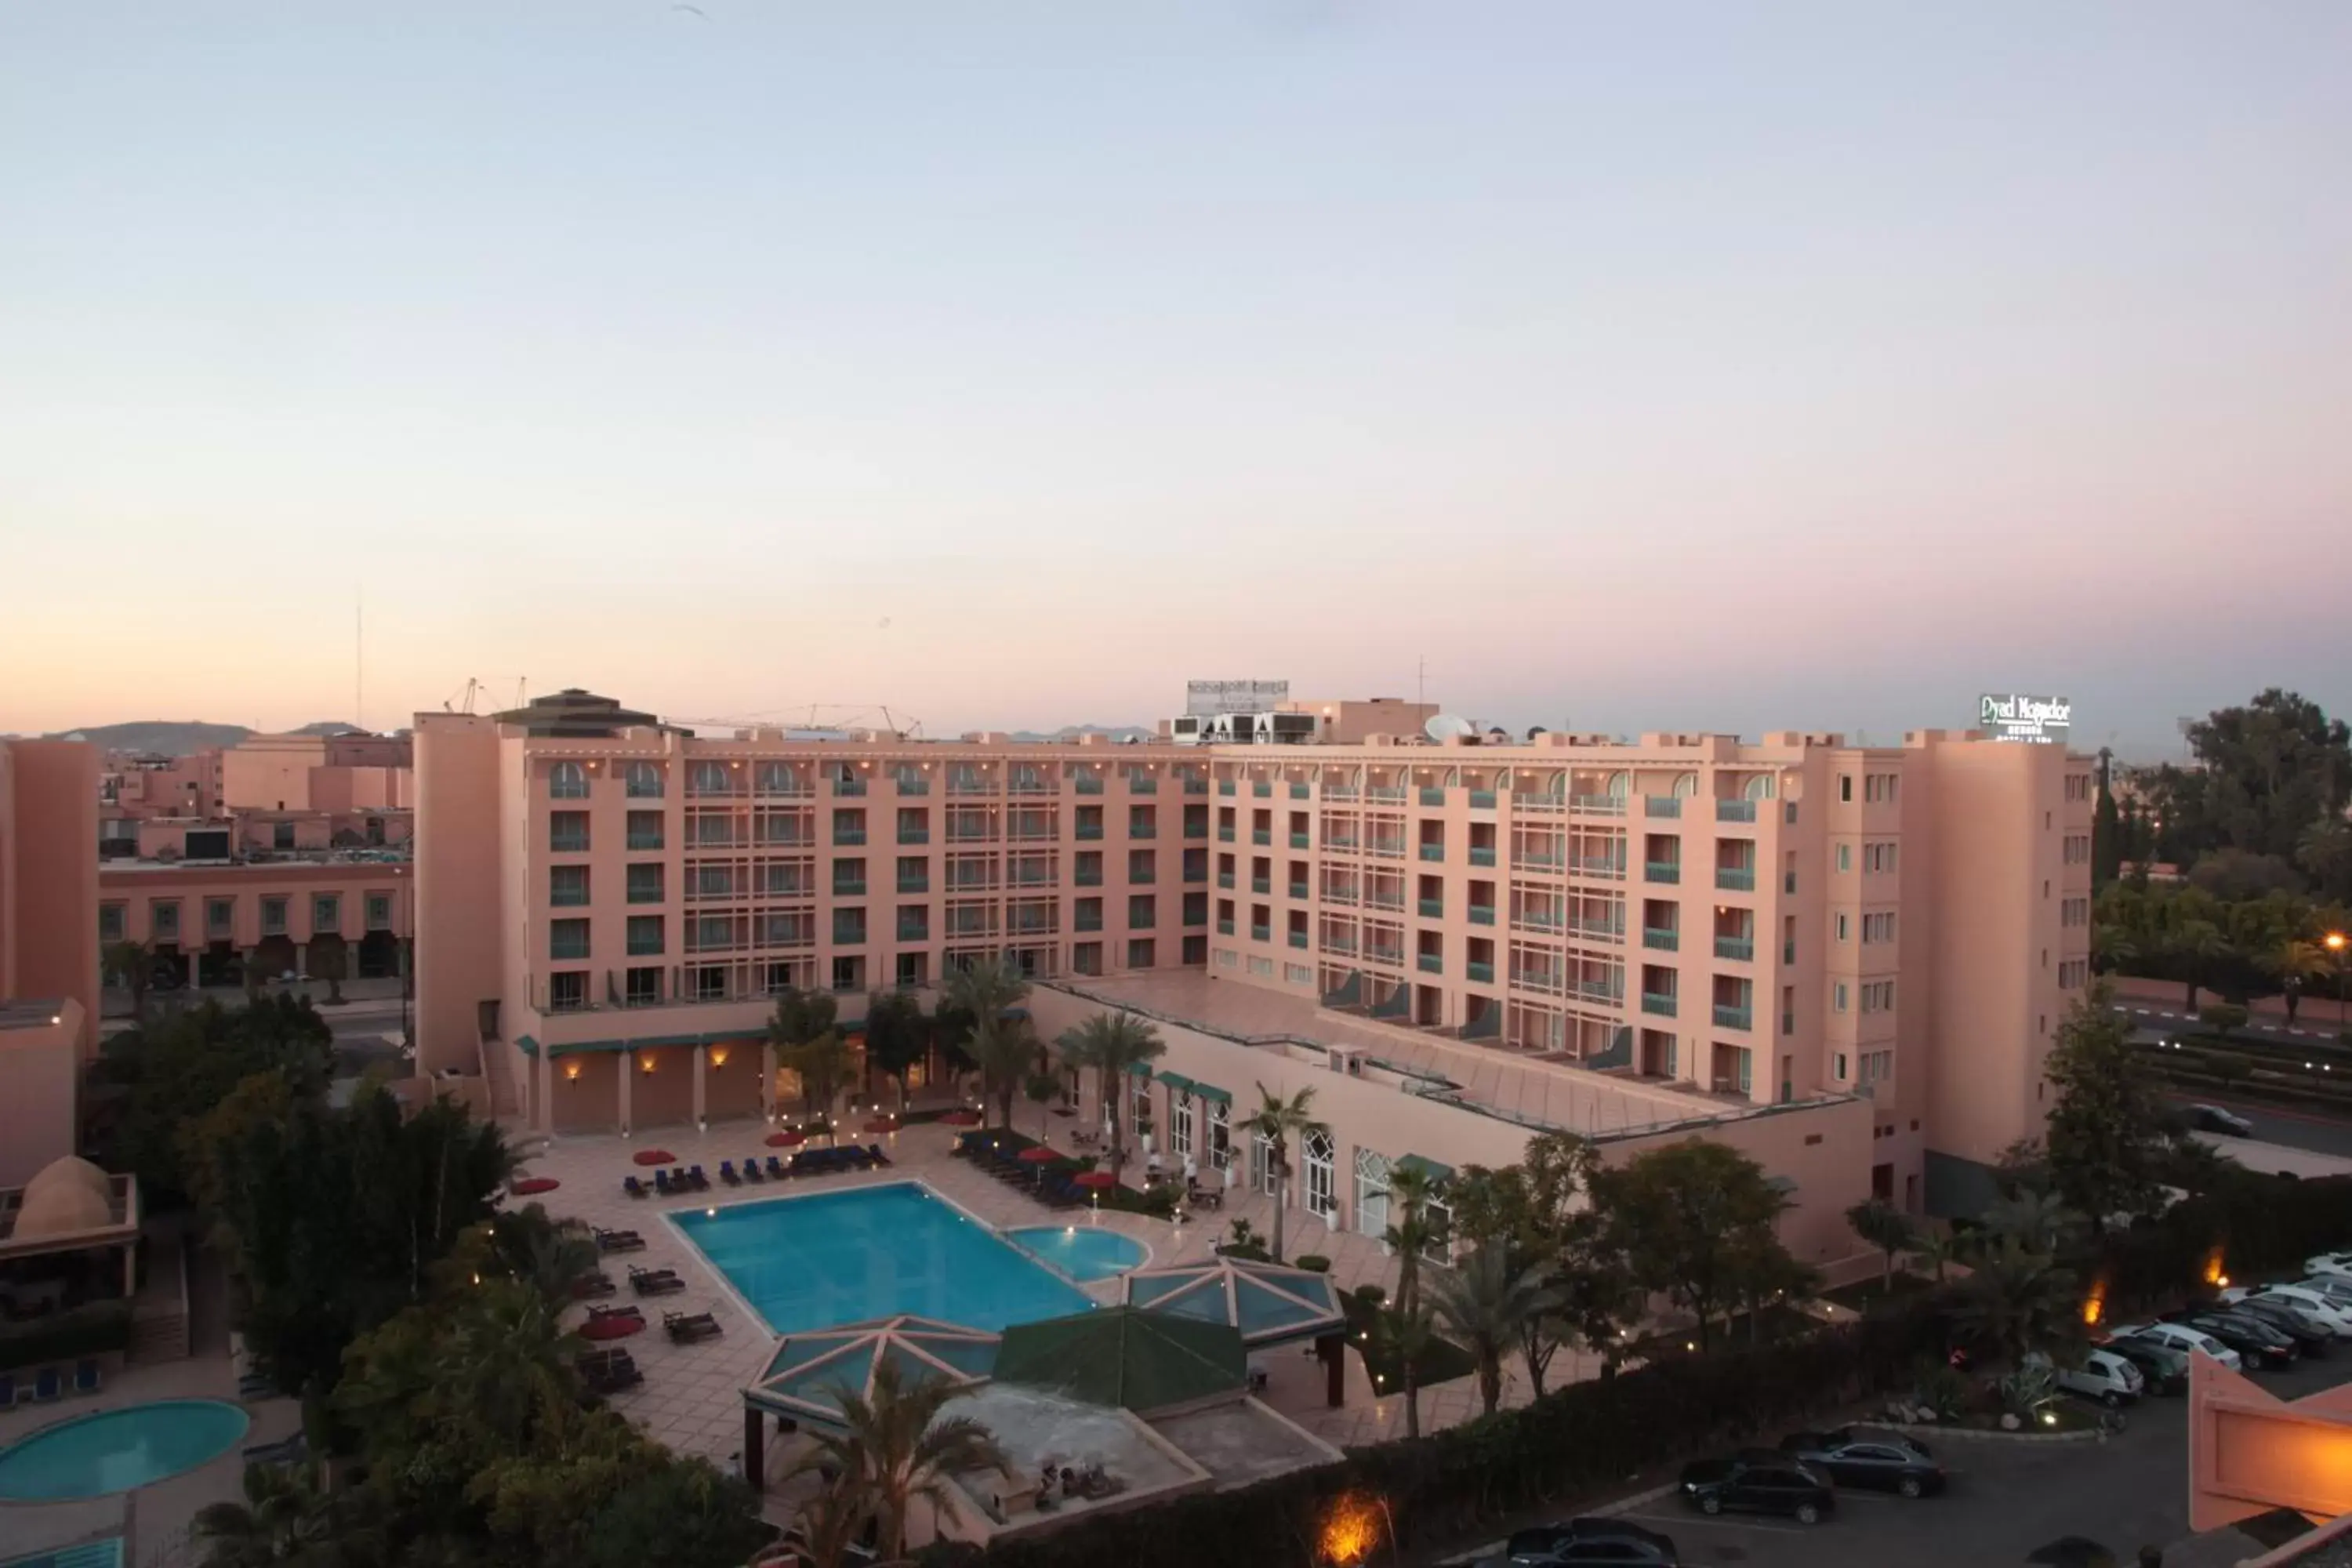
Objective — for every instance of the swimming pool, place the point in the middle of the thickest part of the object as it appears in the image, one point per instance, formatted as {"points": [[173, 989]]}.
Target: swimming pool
{"points": [[872, 1252], [1082, 1252], [118, 1451]]}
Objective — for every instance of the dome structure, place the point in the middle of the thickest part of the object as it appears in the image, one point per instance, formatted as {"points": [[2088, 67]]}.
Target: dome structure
{"points": [[69, 1172], [64, 1208]]}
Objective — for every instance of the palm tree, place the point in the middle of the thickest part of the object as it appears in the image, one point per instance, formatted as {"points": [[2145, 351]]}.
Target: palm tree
{"points": [[132, 965], [1410, 1232], [821, 1063], [897, 1035], [1487, 1304], [985, 992], [2112, 948], [1041, 1087], [2016, 1301], [286, 1518], [2197, 945], [893, 1448], [545, 1253], [1405, 1332], [1937, 1247], [2032, 1222], [1885, 1227], [512, 1357], [1275, 1120], [1112, 1044]]}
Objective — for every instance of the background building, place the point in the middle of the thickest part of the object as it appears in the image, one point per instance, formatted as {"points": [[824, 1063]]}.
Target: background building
{"points": [[48, 948]]}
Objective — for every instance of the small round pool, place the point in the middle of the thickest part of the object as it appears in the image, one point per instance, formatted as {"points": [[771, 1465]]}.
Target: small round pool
{"points": [[118, 1451], [1079, 1251]]}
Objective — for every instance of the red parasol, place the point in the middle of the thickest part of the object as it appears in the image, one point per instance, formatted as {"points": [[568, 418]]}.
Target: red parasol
{"points": [[960, 1119], [1097, 1179], [612, 1328], [1037, 1154], [655, 1157], [524, 1189], [788, 1139]]}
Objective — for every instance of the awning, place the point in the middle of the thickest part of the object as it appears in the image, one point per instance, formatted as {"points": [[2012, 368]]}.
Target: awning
{"points": [[1211, 1091], [1179, 1082], [526, 1045], [1434, 1170], [1138, 1070], [644, 1043]]}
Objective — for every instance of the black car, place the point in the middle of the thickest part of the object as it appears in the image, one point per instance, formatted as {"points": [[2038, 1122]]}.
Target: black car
{"points": [[1758, 1483], [2213, 1119], [2249, 1337], [1590, 1541], [2310, 1335], [1860, 1456], [2166, 1367]]}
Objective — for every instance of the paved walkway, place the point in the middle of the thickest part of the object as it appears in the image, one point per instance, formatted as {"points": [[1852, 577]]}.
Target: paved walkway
{"points": [[689, 1397]]}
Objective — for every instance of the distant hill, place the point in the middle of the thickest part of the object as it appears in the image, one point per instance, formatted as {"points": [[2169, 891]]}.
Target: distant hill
{"points": [[177, 738]]}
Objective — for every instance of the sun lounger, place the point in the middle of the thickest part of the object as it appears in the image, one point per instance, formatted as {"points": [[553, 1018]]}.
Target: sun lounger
{"points": [[776, 1169], [752, 1170], [619, 1241], [691, 1328], [634, 1188], [47, 1386], [873, 1154], [7, 1390], [727, 1173], [626, 1309], [655, 1281], [87, 1377], [1205, 1197], [662, 1183], [591, 1286], [289, 1450], [609, 1372], [701, 1183]]}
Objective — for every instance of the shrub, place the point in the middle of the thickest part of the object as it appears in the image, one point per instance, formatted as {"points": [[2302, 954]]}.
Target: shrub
{"points": [[1371, 1295], [91, 1330], [1314, 1261]]}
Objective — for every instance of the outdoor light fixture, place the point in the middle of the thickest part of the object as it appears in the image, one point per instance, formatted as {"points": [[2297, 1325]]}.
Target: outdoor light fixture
{"points": [[571, 1072], [718, 1056]]}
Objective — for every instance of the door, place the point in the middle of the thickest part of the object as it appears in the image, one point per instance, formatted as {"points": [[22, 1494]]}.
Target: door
{"points": [[1371, 1192], [1322, 1189], [1261, 1164], [1179, 1127]]}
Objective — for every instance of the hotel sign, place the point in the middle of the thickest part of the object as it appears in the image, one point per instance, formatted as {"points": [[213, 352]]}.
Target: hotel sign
{"points": [[1207, 698], [2041, 720]]}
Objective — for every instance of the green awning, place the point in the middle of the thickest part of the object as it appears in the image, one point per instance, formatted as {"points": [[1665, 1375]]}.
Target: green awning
{"points": [[1211, 1091], [1138, 1070], [526, 1045], [1434, 1170], [645, 1042], [1178, 1081]]}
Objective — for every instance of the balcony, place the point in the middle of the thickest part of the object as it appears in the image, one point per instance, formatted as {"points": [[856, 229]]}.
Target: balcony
{"points": [[1261, 884], [1084, 922], [1652, 1001], [1298, 841], [1225, 786], [1663, 870], [1196, 873], [856, 889], [1536, 800], [1091, 830], [1298, 939], [1263, 791], [1482, 800], [914, 786], [1430, 963], [1598, 804], [1730, 1018], [847, 788], [1142, 786], [644, 841], [1226, 879], [1482, 855], [914, 884], [1299, 791], [1224, 927], [1196, 830], [914, 931], [1530, 860], [1483, 974], [1735, 811], [1432, 852], [1735, 878], [1087, 783], [1296, 889], [1664, 940], [1225, 834], [1261, 933], [1432, 908], [1393, 795], [914, 836], [576, 844], [1433, 797], [1482, 914], [849, 835], [1738, 949], [1262, 836], [1661, 806], [1142, 830], [1088, 878], [1196, 786]]}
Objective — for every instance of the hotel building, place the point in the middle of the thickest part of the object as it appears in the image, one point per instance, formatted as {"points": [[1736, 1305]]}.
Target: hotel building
{"points": [[48, 948], [1851, 960]]}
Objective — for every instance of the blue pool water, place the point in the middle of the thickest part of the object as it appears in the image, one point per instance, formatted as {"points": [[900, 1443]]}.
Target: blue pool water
{"points": [[105, 1553], [122, 1449], [871, 1252], [1079, 1251]]}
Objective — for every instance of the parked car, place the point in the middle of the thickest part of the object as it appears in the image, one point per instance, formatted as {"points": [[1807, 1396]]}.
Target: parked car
{"points": [[1758, 1483], [2103, 1375], [1862, 1457], [2165, 1367], [2252, 1339], [1590, 1541], [2334, 1287], [2315, 1304], [2336, 1263], [2213, 1119], [2183, 1338], [2311, 1336]]}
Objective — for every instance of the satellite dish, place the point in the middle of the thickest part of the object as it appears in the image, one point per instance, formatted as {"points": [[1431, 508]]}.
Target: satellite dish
{"points": [[1447, 727]]}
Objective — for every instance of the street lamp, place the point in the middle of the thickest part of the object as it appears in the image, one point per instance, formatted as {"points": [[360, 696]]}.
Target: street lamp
{"points": [[2336, 943]]}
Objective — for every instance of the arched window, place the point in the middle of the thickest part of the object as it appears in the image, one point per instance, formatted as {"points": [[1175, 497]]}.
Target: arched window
{"points": [[709, 778], [645, 781], [1322, 1187], [1371, 1192], [568, 781], [1686, 786], [1759, 787]]}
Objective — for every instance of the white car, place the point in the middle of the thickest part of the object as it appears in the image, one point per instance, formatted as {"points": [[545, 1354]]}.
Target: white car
{"points": [[2334, 1287], [2335, 1311], [2338, 1263], [2180, 1336], [2103, 1375]]}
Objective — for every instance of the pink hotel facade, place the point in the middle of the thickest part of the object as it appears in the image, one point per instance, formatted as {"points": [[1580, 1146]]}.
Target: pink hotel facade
{"points": [[1850, 959]]}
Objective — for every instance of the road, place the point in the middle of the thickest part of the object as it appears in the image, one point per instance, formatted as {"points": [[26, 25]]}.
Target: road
{"points": [[2006, 1498], [2276, 1124], [2314, 1024]]}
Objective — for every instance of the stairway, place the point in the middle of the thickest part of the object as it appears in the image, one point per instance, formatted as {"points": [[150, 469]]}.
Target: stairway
{"points": [[160, 1337]]}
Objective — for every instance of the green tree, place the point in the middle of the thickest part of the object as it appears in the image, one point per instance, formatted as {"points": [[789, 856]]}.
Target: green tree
{"points": [[2324, 850], [2295, 962], [1042, 1088], [331, 960], [1937, 1247], [2267, 770], [895, 1447], [984, 992], [1405, 1332], [2112, 949], [1541, 1211], [1113, 1044], [1693, 1220], [1885, 1227], [680, 1513], [2106, 827], [1411, 1229], [1488, 1305], [287, 1518], [1277, 1120], [2105, 1134], [132, 965], [2197, 948], [823, 1065], [2033, 1222], [2223, 1018], [897, 1036], [2016, 1301], [528, 1246], [801, 1016]]}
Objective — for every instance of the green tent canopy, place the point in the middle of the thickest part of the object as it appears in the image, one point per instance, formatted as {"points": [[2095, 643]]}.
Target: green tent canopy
{"points": [[1125, 1357]]}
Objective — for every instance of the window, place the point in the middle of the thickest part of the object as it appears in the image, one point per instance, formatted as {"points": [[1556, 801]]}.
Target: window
{"points": [[849, 877], [567, 832], [1842, 932], [849, 826], [567, 939], [1845, 786], [110, 920], [567, 990], [849, 927], [281, 835], [1878, 927], [1220, 1135], [707, 778], [1085, 957], [273, 917], [1838, 1069], [1878, 997], [1297, 974], [2073, 973], [567, 780], [849, 973], [1878, 858], [1880, 787], [2074, 911], [914, 922], [645, 936], [644, 986], [220, 917], [914, 874], [1322, 1194], [1877, 1067], [1142, 866], [1262, 967], [1140, 953], [1371, 1192], [1142, 911], [1838, 997], [1845, 858], [647, 883], [567, 885], [2078, 849], [325, 914], [644, 830], [378, 911], [645, 781]]}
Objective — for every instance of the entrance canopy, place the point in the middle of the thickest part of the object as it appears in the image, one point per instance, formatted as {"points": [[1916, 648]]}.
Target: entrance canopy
{"points": [[1267, 1303], [809, 1373], [1125, 1357]]}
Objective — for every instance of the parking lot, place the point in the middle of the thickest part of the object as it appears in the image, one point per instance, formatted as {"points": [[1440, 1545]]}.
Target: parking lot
{"points": [[2006, 1497]]}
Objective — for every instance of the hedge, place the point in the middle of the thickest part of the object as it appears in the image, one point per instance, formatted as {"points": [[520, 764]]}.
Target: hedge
{"points": [[2252, 1225], [91, 1330]]}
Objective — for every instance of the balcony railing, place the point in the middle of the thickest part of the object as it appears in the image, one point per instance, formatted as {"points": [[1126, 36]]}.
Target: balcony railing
{"points": [[914, 836], [1224, 927], [1735, 811], [1432, 908], [1088, 878], [1261, 884], [914, 931], [1482, 800], [644, 840], [1664, 940], [1085, 923], [1735, 878], [1482, 855], [570, 844], [1432, 852], [1091, 830], [1224, 878], [1261, 933], [1225, 832], [1296, 889], [1483, 974], [1137, 784], [1730, 1018], [1298, 841], [1535, 799], [1196, 830], [1598, 804], [1262, 836], [856, 889], [1225, 786], [1391, 794], [1663, 1006], [1738, 949], [1663, 870], [849, 835], [1142, 830], [913, 786], [1482, 914], [1298, 939], [1299, 791], [1087, 783], [1433, 797], [1661, 806], [1430, 963], [1528, 860]]}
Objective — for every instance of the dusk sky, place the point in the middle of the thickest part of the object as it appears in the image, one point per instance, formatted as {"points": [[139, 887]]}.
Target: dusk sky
{"points": [[1729, 366]]}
